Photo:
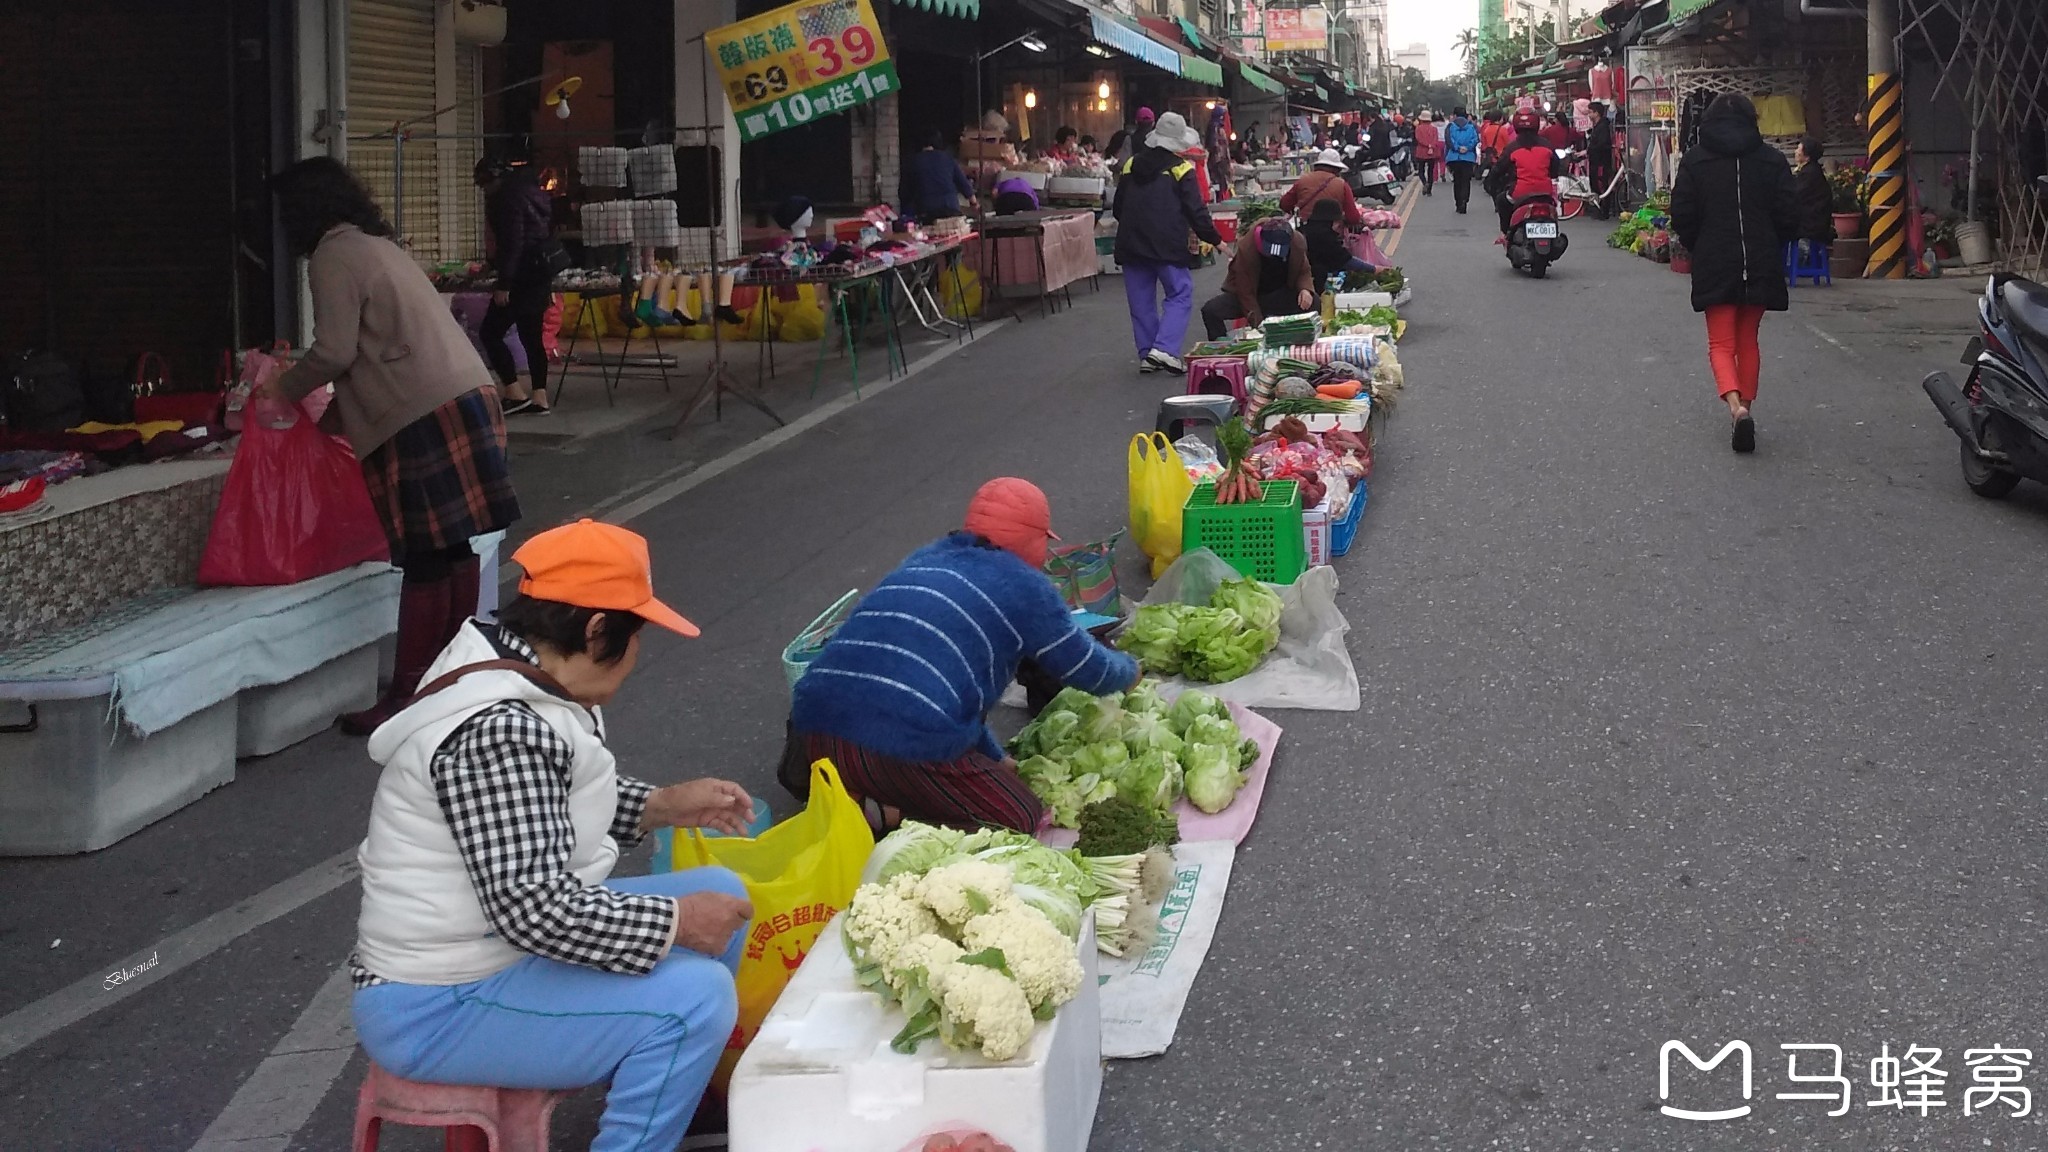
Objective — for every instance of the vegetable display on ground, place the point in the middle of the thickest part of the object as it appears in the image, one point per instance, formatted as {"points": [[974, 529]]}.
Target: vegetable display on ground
{"points": [[1211, 643], [1083, 750]]}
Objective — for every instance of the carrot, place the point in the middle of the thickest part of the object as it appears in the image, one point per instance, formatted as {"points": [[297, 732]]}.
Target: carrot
{"points": [[1345, 391]]}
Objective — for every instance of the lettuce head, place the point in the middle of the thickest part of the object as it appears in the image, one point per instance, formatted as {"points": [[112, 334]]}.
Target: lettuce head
{"points": [[1212, 776], [1192, 703], [1153, 637], [1251, 599]]}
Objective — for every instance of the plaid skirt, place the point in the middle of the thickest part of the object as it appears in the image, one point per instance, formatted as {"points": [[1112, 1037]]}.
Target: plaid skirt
{"points": [[970, 791], [444, 478]]}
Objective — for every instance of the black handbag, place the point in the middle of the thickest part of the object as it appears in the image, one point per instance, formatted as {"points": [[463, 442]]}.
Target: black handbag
{"points": [[43, 393], [550, 256]]}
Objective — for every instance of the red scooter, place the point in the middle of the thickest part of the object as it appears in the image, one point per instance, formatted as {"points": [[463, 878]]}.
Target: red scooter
{"points": [[1535, 241]]}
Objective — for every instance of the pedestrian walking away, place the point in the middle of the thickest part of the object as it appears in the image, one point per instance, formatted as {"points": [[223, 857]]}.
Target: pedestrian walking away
{"points": [[1429, 150], [1268, 276], [493, 947], [520, 218], [415, 400], [1159, 215], [1734, 208], [1461, 156], [898, 698]]}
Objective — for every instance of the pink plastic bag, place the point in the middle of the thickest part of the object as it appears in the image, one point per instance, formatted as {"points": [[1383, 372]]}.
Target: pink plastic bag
{"points": [[260, 366], [294, 507]]}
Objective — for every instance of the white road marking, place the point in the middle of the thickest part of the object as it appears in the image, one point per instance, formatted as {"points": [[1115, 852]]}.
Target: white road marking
{"points": [[76, 1001], [1816, 330], [281, 1095]]}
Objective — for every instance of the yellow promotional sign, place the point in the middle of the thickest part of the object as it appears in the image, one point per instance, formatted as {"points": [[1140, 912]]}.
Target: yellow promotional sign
{"points": [[800, 62]]}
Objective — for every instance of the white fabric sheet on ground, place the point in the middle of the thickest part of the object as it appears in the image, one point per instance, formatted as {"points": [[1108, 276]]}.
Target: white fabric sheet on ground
{"points": [[1143, 993], [203, 648], [1310, 669]]}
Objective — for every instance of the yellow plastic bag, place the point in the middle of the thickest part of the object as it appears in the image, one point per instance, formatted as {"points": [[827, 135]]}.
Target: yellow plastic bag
{"points": [[800, 320], [951, 294], [1159, 487], [799, 874]]}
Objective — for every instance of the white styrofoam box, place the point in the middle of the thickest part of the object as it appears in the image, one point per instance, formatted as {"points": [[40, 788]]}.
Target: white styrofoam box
{"points": [[1315, 533], [1076, 185], [78, 779], [1037, 180], [820, 1073], [276, 716], [1364, 300]]}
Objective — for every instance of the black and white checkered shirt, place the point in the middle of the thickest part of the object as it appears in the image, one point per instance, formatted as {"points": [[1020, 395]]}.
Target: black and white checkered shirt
{"points": [[502, 779]]}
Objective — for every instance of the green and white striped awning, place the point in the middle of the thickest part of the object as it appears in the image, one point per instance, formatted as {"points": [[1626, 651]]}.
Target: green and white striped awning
{"points": [[1201, 71], [964, 9], [1257, 78]]}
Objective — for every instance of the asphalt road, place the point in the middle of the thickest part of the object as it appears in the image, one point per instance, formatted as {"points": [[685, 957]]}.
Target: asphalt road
{"points": [[1658, 743]]}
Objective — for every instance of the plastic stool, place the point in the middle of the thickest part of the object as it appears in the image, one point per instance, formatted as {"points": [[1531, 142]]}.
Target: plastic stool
{"points": [[1218, 376], [476, 1119], [1817, 265], [1177, 412]]}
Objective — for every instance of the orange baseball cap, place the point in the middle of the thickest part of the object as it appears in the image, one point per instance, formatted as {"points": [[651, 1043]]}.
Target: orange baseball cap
{"points": [[595, 565], [1013, 514]]}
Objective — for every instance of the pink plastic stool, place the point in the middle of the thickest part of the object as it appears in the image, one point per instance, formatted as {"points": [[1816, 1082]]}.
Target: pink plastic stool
{"points": [[476, 1119], [1217, 376]]}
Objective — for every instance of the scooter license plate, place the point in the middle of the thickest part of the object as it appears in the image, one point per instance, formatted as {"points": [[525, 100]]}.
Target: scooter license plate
{"points": [[1542, 231]]}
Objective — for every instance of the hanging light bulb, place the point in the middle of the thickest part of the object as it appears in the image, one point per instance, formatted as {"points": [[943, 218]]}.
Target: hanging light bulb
{"points": [[561, 110], [1030, 98], [1102, 90], [1209, 107], [1102, 105]]}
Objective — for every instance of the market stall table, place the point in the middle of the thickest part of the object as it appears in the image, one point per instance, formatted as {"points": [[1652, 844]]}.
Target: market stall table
{"points": [[1035, 254]]}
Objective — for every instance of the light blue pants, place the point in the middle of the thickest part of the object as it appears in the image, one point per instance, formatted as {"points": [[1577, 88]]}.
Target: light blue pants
{"points": [[1156, 323], [545, 1024]]}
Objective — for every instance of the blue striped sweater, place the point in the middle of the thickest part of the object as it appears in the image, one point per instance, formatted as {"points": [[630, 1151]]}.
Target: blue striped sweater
{"points": [[915, 669]]}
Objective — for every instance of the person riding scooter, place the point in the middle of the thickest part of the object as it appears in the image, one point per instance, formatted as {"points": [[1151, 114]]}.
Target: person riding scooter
{"points": [[1529, 167]]}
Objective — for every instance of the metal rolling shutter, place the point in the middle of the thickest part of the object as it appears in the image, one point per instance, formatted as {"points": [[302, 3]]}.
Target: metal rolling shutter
{"points": [[468, 240], [391, 80]]}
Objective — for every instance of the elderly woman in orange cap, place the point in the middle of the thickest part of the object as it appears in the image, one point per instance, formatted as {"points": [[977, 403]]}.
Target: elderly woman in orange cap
{"points": [[899, 696], [492, 947]]}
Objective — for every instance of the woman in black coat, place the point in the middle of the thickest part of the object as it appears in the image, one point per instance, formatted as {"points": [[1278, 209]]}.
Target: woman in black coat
{"points": [[1816, 197], [1734, 209]]}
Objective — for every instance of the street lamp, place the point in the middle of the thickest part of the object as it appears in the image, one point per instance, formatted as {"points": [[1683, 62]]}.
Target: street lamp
{"points": [[1030, 42]]}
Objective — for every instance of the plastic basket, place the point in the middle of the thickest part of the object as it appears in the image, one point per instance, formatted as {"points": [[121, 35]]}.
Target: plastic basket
{"points": [[1346, 530], [1262, 540], [811, 641]]}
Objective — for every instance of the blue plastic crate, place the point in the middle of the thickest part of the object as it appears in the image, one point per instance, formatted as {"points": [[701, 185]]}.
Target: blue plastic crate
{"points": [[1346, 530]]}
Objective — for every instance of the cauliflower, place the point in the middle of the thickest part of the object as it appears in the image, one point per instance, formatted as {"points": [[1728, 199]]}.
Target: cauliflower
{"points": [[958, 892], [922, 952], [982, 1008], [1040, 957], [881, 919]]}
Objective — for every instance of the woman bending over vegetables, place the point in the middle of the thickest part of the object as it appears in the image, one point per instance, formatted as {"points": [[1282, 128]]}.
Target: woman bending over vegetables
{"points": [[899, 696]]}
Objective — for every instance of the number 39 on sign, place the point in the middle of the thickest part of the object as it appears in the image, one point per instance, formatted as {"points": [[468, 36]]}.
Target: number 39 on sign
{"points": [[800, 62]]}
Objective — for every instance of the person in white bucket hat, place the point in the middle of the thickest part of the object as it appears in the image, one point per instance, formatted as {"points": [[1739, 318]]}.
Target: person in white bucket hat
{"points": [[1159, 211], [1324, 181]]}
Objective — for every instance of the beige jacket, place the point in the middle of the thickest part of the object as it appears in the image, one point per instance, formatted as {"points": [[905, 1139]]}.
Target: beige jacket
{"points": [[383, 336]]}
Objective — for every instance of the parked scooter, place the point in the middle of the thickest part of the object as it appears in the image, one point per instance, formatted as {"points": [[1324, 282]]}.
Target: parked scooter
{"points": [[1402, 160], [2001, 412], [1535, 241], [1369, 179]]}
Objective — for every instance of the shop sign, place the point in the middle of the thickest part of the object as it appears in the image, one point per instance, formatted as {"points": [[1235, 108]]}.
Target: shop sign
{"points": [[1297, 29], [801, 62]]}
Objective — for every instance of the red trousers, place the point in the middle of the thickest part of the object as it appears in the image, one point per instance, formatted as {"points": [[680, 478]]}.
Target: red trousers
{"points": [[1732, 348]]}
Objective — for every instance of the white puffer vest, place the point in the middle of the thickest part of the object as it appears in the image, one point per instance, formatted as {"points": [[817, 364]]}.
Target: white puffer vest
{"points": [[421, 922]]}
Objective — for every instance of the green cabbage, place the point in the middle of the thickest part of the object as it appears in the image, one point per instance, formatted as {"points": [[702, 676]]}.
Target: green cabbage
{"points": [[1153, 637], [1035, 769], [914, 847], [1190, 704], [1153, 780], [1060, 906], [1212, 776], [1069, 700], [1213, 730], [1106, 760], [1216, 646], [1144, 732], [1145, 697], [1047, 735], [1102, 720], [1252, 600]]}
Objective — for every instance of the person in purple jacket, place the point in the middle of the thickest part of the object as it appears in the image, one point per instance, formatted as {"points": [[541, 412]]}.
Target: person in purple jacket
{"points": [[520, 217]]}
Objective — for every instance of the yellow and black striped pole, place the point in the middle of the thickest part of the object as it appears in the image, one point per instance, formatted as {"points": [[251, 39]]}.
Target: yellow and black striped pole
{"points": [[1885, 116], [1884, 119]]}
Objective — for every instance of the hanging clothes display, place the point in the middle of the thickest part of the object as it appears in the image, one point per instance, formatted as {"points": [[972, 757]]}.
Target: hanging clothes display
{"points": [[1780, 114]]}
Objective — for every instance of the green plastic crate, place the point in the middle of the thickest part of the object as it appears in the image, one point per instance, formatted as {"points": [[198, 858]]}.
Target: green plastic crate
{"points": [[1262, 540]]}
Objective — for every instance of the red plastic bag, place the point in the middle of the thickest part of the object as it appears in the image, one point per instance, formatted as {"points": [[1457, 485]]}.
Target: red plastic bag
{"points": [[294, 507]]}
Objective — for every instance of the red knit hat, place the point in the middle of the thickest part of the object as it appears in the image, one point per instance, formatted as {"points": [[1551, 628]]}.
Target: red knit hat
{"points": [[1015, 516]]}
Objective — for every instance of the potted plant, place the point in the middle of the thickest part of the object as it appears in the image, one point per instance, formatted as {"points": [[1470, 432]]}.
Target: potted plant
{"points": [[1846, 183]]}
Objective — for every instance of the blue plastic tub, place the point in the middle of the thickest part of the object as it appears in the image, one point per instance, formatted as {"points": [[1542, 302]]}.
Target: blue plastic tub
{"points": [[1346, 529]]}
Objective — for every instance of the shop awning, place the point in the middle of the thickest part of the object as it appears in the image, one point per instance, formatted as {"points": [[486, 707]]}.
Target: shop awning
{"points": [[1195, 37], [1258, 78], [1133, 42], [964, 9], [1201, 71]]}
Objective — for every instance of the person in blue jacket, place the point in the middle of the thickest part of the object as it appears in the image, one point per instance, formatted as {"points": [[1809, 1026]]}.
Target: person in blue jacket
{"points": [[1159, 211], [1461, 155], [934, 184], [898, 698]]}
